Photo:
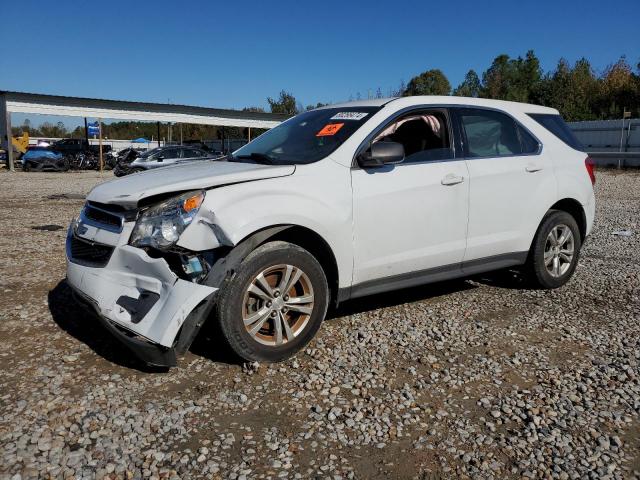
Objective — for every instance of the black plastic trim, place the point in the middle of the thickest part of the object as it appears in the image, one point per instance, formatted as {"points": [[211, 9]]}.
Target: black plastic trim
{"points": [[138, 307], [438, 274]]}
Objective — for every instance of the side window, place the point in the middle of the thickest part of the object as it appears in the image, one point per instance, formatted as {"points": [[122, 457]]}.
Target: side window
{"points": [[191, 153], [169, 153], [424, 135], [529, 144], [556, 125], [489, 134]]}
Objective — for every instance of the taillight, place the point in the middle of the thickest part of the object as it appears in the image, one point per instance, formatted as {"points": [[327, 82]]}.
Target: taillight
{"points": [[591, 170]]}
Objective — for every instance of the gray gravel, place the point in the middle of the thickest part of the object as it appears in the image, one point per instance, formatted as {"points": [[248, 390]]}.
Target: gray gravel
{"points": [[474, 378]]}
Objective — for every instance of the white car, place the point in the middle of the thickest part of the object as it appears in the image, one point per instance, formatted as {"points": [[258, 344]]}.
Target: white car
{"points": [[335, 203]]}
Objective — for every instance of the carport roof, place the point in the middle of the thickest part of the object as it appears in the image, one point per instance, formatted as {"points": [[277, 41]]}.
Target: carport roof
{"points": [[37, 103]]}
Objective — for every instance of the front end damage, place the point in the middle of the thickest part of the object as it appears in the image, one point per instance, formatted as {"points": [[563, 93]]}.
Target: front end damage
{"points": [[139, 297], [148, 256]]}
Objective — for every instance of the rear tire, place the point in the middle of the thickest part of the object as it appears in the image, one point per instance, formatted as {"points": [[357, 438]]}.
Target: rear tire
{"points": [[555, 250], [274, 303]]}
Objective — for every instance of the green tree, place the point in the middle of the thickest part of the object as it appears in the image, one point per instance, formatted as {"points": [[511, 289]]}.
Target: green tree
{"points": [[619, 91], [317, 105], [572, 90], [431, 82], [512, 79], [286, 103], [47, 129], [470, 87]]}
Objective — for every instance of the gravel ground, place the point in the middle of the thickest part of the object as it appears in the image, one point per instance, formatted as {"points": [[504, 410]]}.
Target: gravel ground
{"points": [[473, 378]]}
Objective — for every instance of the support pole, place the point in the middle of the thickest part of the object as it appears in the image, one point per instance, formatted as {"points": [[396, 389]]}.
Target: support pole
{"points": [[5, 131], [100, 142], [249, 134], [86, 131], [158, 133]]}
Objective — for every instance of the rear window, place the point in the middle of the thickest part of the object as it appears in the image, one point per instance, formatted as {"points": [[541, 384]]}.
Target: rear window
{"points": [[556, 125]]}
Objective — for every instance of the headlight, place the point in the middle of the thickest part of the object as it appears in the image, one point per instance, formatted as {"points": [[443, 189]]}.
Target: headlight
{"points": [[161, 225]]}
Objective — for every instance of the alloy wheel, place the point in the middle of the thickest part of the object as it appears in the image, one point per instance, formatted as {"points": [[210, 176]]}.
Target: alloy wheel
{"points": [[559, 250], [277, 304]]}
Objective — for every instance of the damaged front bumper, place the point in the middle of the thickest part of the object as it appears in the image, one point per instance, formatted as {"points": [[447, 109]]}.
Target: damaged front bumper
{"points": [[137, 298]]}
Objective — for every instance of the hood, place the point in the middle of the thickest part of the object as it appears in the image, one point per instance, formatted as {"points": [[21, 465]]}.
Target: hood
{"points": [[128, 191]]}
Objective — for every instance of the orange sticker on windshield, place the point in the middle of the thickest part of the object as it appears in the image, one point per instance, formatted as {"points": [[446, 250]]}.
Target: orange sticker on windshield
{"points": [[329, 129]]}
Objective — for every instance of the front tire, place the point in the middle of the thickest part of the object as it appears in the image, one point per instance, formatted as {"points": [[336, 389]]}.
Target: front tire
{"points": [[273, 305], [555, 250]]}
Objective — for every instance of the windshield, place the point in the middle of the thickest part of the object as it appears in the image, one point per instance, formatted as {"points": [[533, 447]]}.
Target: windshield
{"points": [[305, 138]]}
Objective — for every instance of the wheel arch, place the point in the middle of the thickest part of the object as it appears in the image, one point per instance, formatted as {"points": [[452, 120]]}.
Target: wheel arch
{"points": [[303, 237], [575, 209]]}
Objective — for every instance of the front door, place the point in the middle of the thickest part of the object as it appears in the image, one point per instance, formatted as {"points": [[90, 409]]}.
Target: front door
{"points": [[411, 218]]}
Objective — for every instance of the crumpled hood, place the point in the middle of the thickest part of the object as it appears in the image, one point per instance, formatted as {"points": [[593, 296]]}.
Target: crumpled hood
{"points": [[129, 190]]}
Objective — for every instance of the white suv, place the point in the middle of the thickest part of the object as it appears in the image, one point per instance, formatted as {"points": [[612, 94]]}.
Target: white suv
{"points": [[336, 203]]}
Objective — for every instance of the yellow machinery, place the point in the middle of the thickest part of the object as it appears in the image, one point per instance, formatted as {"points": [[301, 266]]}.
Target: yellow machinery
{"points": [[21, 143]]}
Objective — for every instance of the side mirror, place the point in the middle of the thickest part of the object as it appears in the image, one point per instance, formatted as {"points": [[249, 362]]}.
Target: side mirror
{"points": [[160, 158], [380, 154]]}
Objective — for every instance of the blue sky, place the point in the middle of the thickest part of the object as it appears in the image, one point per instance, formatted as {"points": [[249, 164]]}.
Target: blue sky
{"points": [[235, 54]]}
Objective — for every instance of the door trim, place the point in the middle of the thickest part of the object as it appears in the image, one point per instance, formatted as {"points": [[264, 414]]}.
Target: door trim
{"points": [[431, 275]]}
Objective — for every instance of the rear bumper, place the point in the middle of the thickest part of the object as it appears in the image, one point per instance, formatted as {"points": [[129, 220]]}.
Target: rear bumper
{"points": [[138, 298]]}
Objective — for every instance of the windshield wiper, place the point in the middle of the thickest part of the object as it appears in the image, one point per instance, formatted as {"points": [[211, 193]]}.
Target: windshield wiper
{"points": [[262, 158]]}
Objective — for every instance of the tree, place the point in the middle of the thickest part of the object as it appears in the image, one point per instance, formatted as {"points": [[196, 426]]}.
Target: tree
{"points": [[619, 90], [253, 109], [512, 79], [572, 90], [431, 82], [53, 131], [286, 104], [470, 87]]}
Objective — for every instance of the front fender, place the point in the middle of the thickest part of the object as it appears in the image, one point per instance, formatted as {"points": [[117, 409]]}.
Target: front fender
{"points": [[232, 213]]}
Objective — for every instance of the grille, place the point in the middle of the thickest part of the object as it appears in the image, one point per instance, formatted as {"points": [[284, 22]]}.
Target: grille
{"points": [[90, 254], [102, 217]]}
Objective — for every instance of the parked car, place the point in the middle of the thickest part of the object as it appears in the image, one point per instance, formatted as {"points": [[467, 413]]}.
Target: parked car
{"points": [[336, 203], [123, 159], [39, 158], [159, 157], [72, 146]]}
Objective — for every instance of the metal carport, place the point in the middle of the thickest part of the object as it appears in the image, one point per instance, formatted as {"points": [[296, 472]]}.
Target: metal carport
{"points": [[21, 102]]}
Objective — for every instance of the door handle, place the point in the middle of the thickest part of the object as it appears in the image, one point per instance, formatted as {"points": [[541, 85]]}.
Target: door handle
{"points": [[533, 168], [451, 179]]}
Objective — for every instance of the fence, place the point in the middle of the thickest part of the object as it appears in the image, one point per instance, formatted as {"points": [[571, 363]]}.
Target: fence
{"points": [[610, 142]]}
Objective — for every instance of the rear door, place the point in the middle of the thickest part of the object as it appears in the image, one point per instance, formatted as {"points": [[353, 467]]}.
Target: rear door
{"points": [[511, 183]]}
